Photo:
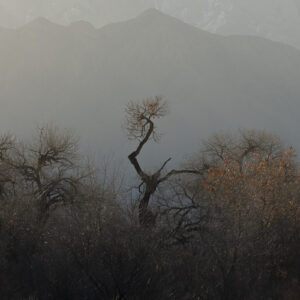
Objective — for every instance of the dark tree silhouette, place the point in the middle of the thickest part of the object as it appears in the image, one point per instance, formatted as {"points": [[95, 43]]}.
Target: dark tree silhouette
{"points": [[141, 127]]}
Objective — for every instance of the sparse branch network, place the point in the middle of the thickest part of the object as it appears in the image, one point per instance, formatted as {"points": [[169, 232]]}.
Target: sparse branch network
{"points": [[140, 126]]}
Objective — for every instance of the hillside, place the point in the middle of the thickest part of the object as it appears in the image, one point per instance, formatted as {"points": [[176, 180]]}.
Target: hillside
{"points": [[81, 77], [274, 19]]}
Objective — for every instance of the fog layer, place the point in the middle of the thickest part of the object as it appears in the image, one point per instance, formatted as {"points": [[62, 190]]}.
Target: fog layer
{"points": [[81, 78]]}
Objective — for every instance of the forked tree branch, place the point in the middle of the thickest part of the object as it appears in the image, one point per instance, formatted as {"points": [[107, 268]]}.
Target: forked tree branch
{"points": [[178, 172], [133, 156], [141, 125]]}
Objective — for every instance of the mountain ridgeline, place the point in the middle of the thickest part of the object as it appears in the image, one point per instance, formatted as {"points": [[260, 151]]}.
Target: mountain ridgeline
{"points": [[81, 77]]}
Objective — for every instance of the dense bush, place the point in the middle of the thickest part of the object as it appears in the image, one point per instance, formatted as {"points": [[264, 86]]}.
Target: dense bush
{"points": [[230, 231]]}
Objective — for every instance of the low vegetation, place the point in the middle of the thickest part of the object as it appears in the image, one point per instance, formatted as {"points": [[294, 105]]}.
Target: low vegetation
{"points": [[225, 225]]}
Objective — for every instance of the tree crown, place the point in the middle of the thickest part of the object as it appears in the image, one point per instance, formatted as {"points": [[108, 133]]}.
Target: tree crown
{"points": [[140, 116]]}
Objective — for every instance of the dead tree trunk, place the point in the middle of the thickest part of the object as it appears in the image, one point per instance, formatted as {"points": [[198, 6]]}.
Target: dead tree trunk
{"points": [[151, 182]]}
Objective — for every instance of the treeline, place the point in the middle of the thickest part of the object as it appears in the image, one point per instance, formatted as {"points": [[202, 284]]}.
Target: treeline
{"points": [[226, 225]]}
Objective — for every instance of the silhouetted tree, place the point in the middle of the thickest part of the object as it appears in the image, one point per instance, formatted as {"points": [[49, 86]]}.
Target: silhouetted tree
{"points": [[141, 127]]}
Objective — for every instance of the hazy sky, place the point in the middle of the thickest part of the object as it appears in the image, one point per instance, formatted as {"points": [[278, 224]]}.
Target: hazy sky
{"points": [[17, 12], [82, 81], [81, 78], [273, 19], [99, 12]]}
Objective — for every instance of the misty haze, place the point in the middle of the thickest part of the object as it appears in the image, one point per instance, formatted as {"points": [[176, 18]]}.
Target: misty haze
{"points": [[148, 149]]}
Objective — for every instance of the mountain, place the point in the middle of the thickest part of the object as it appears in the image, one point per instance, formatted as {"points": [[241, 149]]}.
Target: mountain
{"points": [[15, 13], [81, 77], [273, 19]]}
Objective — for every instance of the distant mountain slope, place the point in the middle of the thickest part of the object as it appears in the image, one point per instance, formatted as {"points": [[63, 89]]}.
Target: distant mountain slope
{"points": [[16, 13], [81, 77], [274, 19]]}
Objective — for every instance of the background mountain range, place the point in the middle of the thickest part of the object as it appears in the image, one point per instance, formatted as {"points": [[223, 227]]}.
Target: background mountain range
{"points": [[275, 19], [81, 77]]}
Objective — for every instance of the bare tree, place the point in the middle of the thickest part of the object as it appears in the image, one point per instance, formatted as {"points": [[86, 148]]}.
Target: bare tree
{"points": [[239, 147], [6, 144], [141, 127], [186, 204], [45, 171]]}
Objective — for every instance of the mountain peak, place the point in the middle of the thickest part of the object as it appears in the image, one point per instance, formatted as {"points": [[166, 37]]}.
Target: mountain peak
{"points": [[40, 23], [155, 16], [82, 25], [152, 11]]}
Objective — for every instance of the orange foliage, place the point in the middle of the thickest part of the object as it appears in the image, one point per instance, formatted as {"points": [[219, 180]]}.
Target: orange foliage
{"points": [[259, 186]]}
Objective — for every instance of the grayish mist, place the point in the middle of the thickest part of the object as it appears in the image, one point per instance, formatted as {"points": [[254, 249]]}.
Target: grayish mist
{"points": [[80, 77]]}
